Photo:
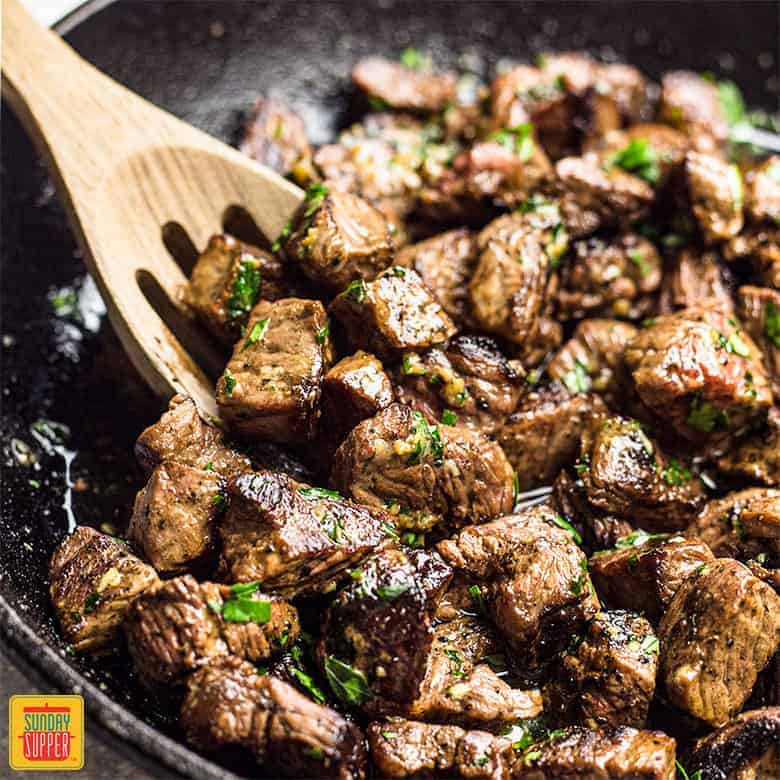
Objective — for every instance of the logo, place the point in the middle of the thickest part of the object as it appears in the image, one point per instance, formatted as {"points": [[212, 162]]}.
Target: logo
{"points": [[46, 732]]}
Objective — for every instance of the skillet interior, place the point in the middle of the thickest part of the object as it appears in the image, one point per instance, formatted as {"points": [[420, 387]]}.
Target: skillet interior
{"points": [[205, 61]]}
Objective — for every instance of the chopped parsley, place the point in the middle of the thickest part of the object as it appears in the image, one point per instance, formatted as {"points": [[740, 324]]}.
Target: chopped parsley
{"points": [[675, 474], [478, 599], [356, 291], [637, 539], [218, 501], [209, 466], [393, 591], [283, 236], [313, 493], [256, 333], [348, 684], [639, 158], [515, 488], [315, 194], [681, 771], [638, 259], [412, 366], [245, 289], [518, 139], [65, 302], [413, 59], [649, 645], [580, 583], [577, 380], [323, 333], [306, 681], [733, 344], [412, 539], [34, 483], [242, 608], [91, 603], [389, 531], [230, 381], [457, 660], [449, 418], [426, 441], [705, 417], [390, 734], [772, 325], [562, 522], [735, 185]]}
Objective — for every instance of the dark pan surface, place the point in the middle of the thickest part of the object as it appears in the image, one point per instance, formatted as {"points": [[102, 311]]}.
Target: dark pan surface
{"points": [[205, 61]]}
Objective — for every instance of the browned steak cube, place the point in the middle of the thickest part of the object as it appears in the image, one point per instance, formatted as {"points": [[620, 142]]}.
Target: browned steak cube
{"points": [[94, 580], [759, 310], [470, 384], [407, 748], [533, 579], [445, 264], [181, 624], [336, 237], [644, 571], [543, 435], [271, 387], [393, 313], [275, 136], [693, 278], [228, 280], [229, 704], [424, 474], [717, 195], [609, 278], [626, 474], [761, 245], [700, 373], [748, 746], [592, 359], [174, 517], [380, 624], [692, 104], [295, 538], [758, 456], [181, 436], [621, 753], [606, 677], [743, 525], [762, 191], [356, 388], [593, 198], [405, 88], [462, 683], [719, 632]]}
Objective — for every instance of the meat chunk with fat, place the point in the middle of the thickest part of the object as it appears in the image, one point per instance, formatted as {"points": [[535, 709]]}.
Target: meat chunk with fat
{"points": [[270, 389], [693, 278], [294, 538], [543, 435], [94, 580], [181, 436], [468, 384], [614, 278], [445, 263], [644, 571], [698, 371], [746, 747], [759, 310], [762, 191], [227, 280], [404, 88], [758, 456], [336, 237], [379, 629], [720, 630], [229, 704], [175, 515], [621, 753], [717, 196], [406, 748], [182, 624], [533, 578], [607, 676], [393, 313], [425, 475], [760, 244]]}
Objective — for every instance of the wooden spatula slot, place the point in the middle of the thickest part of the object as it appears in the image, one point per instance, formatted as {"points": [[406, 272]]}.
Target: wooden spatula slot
{"points": [[179, 246], [237, 221]]}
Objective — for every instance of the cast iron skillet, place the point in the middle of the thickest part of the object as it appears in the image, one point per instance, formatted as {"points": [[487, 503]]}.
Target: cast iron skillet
{"points": [[205, 62]]}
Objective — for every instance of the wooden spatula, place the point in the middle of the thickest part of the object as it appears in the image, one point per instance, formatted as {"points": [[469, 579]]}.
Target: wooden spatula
{"points": [[124, 169]]}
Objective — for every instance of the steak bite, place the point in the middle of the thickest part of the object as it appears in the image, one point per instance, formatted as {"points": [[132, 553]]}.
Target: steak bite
{"points": [[533, 579], [174, 517], [762, 191], [606, 677], [275, 136], [543, 435], [336, 237], [716, 193], [746, 747], [720, 630], [644, 571], [93, 581], [694, 278], [461, 684], [393, 313], [621, 753], [271, 387], [294, 538], [379, 629], [407, 748], [425, 475], [405, 88], [181, 436], [469, 384], [758, 457], [181, 624], [761, 245], [445, 263], [609, 278], [227, 281], [592, 359], [759, 310], [356, 388], [229, 704], [700, 373]]}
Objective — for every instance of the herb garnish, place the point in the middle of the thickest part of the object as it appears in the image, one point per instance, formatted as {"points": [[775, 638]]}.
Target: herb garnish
{"points": [[312, 493], [256, 333], [349, 684], [639, 158], [562, 522], [675, 474], [577, 380], [518, 139], [323, 333], [243, 293], [356, 291], [241, 608], [230, 381], [705, 417], [772, 326], [449, 418]]}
